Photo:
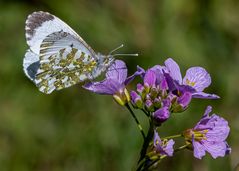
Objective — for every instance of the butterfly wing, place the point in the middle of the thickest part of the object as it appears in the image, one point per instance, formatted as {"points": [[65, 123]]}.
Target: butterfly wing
{"points": [[31, 64], [58, 57], [63, 62], [41, 24]]}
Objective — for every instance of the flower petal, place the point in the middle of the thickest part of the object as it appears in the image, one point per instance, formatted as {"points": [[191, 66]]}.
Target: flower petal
{"points": [[202, 95], [163, 148], [158, 72], [229, 150], [203, 123], [216, 149], [185, 99], [174, 70], [169, 148], [108, 86], [207, 111], [117, 71], [157, 139], [198, 149], [220, 129], [150, 78], [140, 72], [161, 114], [135, 98], [170, 82], [198, 78], [163, 85]]}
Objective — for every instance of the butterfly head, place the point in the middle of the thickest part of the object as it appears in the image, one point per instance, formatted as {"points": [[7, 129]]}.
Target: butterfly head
{"points": [[105, 60]]}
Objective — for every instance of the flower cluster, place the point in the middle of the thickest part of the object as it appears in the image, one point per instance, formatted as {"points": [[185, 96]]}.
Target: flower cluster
{"points": [[164, 91], [161, 93]]}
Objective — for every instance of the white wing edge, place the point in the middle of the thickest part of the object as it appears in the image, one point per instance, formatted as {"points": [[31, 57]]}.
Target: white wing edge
{"points": [[41, 24], [30, 63]]}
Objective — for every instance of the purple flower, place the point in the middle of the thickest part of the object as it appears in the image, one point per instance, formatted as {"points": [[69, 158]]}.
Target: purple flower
{"points": [[149, 105], [140, 88], [163, 147], [185, 99], [182, 102], [161, 115], [195, 80], [136, 100], [149, 78], [209, 135], [114, 83]]}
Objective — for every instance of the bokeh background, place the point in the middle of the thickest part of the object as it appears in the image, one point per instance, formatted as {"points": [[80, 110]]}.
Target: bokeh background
{"points": [[75, 130]]}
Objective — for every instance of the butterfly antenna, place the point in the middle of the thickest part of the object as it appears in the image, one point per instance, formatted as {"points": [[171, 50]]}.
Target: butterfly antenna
{"points": [[116, 49], [125, 54]]}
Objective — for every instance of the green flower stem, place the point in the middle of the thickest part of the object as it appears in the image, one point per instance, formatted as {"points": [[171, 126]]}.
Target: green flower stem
{"points": [[146, 144], [181, 148], [136, 120], [153, 162], [145, 112], [173, 136], [141, 164]]}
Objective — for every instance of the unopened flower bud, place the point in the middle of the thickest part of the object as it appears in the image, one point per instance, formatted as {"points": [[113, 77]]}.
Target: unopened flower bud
{"points": [[149, 105], [136, 100], [182, 102], [163, 84], [173, 98], [146, 88], [122, 97], [161, 115], [141, 90], [157, 103], [167, 102], [153, 92], [149, 80], [147, 97], [127, 95]]}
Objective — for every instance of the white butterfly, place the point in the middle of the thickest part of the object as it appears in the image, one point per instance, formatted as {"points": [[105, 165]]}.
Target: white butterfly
{"points": [[58, 57]]}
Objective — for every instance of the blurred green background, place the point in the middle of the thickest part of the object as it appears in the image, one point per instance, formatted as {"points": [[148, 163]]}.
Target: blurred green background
{"points": [[75, 130]]}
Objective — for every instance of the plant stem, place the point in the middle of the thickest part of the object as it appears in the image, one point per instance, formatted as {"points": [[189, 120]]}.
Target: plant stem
{"points": [[173, 136], [153, 162], [145, 145], [145, 112], [181, 148], [136, 120]]}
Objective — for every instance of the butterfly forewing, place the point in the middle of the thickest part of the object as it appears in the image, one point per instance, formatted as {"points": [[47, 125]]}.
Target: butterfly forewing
{"points": [[41, 24]]}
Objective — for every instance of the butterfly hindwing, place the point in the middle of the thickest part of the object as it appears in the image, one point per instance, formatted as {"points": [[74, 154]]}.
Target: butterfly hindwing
{"points": [[31, 64], [64, 61]]}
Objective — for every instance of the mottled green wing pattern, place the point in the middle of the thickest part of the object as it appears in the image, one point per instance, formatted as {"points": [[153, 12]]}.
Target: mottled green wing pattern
{"points": [[64, 61]]}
